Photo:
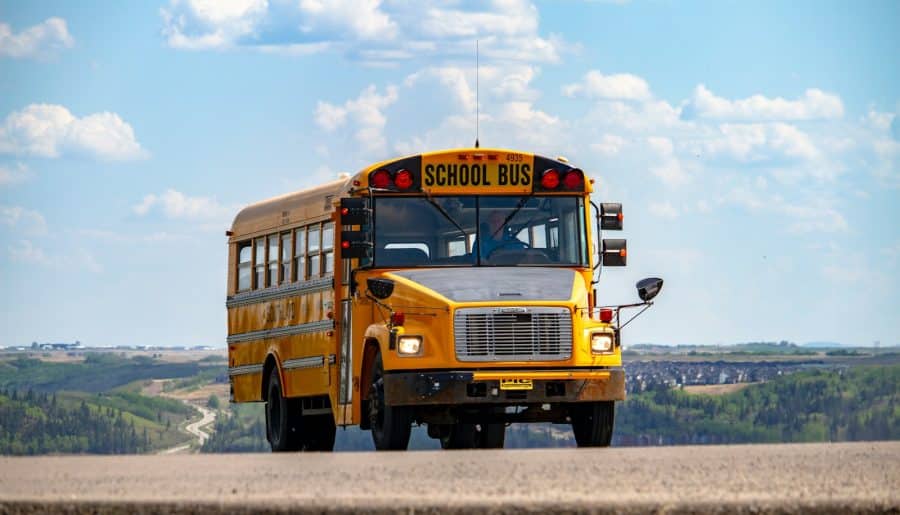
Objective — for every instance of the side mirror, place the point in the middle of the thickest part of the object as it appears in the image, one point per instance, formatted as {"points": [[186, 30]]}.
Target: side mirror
{"points": [[355, 244], [649, 288], [611, 217], [615, 253], [379, 287]]}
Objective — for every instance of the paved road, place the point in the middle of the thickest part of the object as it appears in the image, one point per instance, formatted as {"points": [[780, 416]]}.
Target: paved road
{"points": [[194, 429], [823, 478]]}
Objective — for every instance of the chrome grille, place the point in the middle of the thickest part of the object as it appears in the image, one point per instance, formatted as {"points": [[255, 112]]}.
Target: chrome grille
{"points": [[513, 334]]}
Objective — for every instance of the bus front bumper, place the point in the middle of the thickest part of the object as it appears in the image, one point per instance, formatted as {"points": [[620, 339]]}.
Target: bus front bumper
{"points": [[503, 387]]}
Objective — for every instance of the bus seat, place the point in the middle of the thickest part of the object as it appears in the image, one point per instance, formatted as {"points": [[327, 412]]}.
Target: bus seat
{"points": [[402, 257]]}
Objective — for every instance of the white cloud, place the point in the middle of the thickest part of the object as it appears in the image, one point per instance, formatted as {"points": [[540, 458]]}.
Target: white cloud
{"points": [[13, 174], [813, 216], [23, 220], [48, 130], [621, 86], [669, 168], [39, 40], [176, 205], [759, 142], [375, 32], [211, 24], [24, 251], [362, 19], [664, 210], [609, 145], [367, 115], [814, 104]]}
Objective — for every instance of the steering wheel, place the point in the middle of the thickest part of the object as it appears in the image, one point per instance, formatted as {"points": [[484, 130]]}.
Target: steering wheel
{"points": [[509, 245]]}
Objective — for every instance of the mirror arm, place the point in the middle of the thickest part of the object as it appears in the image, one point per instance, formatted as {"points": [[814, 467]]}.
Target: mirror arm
{"points": [[646, 307], [381, 305]]}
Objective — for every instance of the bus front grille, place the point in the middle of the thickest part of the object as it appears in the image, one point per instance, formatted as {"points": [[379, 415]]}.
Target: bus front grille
{"points": [[513, 334]]}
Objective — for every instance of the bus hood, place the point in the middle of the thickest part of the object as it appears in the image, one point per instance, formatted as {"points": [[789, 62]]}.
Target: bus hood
{"points": [[506, 284]]}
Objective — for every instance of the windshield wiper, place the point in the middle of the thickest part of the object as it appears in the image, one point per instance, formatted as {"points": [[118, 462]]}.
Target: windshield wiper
{"points": [[444, 212], [519, 206]]}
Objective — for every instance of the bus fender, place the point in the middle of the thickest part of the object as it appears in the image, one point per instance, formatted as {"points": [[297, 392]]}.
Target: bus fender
{"points": [[272, 362]]}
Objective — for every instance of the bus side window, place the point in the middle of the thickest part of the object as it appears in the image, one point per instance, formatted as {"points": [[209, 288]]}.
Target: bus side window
{"points": [[539, 237], [286, 249], [312, 249], [259, 261], [245, 265], [273, 260], [300, 254], [456, 247], [328, 247]]}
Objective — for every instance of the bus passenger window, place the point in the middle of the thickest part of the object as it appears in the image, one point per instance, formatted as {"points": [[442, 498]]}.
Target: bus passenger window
{"points": [[245, 265], [260, 263], [273, 260], [456, 247], [286, 257], [300, 254], [328, 247], [312, 250], [539, 237]]}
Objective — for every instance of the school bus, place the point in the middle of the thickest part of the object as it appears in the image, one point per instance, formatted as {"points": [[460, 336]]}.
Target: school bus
{"points": [[453, 289]]}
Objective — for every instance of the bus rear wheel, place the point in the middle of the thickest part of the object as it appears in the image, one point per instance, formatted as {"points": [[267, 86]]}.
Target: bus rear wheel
{"points": [[390, 425], [283, 428], [319, 432], [473, 436], [592, 423]]}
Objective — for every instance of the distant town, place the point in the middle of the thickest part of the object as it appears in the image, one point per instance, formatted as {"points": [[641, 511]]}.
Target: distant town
{"points": [[78, 346]]}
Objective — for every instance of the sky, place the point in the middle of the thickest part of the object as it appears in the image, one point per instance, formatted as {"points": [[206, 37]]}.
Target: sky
{"points": [[755, 148]]}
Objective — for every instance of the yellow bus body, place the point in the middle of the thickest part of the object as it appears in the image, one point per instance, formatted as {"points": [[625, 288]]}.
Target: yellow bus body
{"points": [[296, 327]]}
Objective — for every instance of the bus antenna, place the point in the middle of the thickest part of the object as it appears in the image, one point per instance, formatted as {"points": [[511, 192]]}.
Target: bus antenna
{"points": [[476, 94]]}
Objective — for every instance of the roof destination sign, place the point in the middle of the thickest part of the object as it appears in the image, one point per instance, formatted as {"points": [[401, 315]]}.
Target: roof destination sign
{"points": [[499, 172]]}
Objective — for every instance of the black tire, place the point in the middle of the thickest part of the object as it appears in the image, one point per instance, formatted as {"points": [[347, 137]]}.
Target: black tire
{"points": [[473, 436], [493, 436], [283, 429], [459, 436], [319, 433], [592, 423], [390, 425]]}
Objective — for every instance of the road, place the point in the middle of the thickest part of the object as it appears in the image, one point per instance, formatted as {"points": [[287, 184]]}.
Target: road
{"points": [[195, 429], [806, 478]]}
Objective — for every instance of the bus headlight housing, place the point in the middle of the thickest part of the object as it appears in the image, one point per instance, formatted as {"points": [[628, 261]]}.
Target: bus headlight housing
{"points": [[409, 345], [602, 343]]}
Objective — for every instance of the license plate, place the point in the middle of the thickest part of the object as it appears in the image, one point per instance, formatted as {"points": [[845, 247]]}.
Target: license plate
{"points": [[516, 384]]}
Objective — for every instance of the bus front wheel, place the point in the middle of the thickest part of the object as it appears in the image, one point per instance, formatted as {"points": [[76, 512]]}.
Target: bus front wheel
{"points": [[283, 419], [592, 423], [391, 425]]}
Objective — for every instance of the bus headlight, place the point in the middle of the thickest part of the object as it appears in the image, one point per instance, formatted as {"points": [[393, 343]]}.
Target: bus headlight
{"points": [[409, 345], [602, 343]]}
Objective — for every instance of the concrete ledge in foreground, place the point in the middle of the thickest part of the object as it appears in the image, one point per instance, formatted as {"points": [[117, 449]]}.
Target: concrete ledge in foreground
{"points": [[801, 478]]}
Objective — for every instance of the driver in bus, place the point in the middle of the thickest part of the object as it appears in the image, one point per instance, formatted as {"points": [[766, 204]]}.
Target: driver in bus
{"points": [[495, 237]]}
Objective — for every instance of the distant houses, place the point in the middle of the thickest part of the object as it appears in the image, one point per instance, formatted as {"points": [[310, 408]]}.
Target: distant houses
{"points": [[57, 346]]}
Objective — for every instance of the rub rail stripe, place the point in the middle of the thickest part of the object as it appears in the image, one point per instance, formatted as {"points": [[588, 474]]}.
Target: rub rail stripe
{"points": [[288, 290], [244, 369], [311, 327], [299, 363]]}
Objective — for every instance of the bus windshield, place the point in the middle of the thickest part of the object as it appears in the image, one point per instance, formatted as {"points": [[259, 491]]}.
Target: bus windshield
{"points": [[479, 231]]}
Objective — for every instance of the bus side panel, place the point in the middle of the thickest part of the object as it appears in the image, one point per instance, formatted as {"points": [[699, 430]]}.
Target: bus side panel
{"points": [[247, 386], [305, 363]]}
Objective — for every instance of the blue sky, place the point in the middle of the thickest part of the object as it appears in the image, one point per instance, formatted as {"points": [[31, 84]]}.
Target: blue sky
{"points": [[755, 147]]}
